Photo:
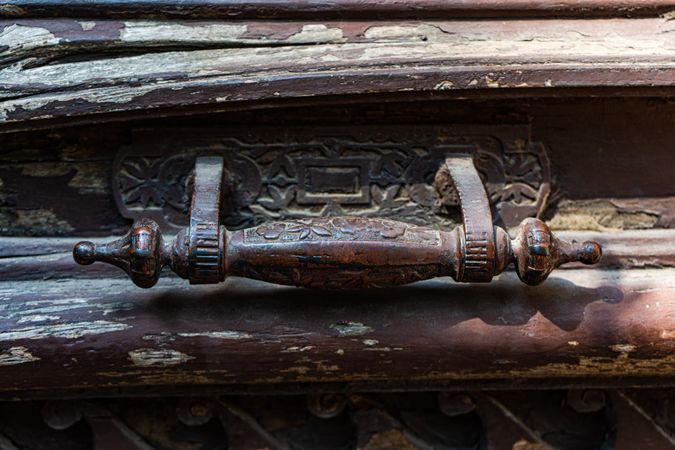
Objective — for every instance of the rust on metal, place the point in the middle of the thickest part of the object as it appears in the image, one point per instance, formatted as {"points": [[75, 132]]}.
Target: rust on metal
{"points": [[340, 252]]}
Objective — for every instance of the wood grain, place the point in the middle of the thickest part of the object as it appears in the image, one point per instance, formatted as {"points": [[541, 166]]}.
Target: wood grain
{"points": [[600, 326], [336, 8], [68, 68]]}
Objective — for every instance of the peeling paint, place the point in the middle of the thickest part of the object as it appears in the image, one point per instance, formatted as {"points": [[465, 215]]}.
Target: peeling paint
{"points": [[297, 349], [150, 31], [38, 318], [422, 32], [149, 357], [26, 38], [87, 25], [351, 328], [72, 330], [226, 334], [444, 85], [599, 215], [624, 349], [16, 355], [316, 33]]}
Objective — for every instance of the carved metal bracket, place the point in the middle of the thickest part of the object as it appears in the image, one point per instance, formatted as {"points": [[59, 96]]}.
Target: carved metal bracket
{"points": [[340, 252], [302, 173]]}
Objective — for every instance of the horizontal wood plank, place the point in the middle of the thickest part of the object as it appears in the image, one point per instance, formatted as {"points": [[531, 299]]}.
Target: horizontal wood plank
{"points": [[98, 334], [67, 68], [336, 8]]}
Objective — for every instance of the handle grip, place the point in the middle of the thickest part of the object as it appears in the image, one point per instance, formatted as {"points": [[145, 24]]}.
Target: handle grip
{"points": [[340, 252]]}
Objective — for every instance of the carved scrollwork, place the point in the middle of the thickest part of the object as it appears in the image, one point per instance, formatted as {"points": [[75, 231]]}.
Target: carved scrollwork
{"points": [[341, 229], [274, 174]]}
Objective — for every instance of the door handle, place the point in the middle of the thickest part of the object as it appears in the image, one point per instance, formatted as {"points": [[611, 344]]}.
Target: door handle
{"points": [[340, 252]]}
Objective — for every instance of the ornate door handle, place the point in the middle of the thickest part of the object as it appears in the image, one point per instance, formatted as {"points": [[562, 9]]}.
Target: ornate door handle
{"points": [[340, 252]]}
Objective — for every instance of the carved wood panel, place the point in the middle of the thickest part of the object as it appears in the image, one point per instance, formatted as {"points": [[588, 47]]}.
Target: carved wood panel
{"points": [[585, 419], [301, 173]]}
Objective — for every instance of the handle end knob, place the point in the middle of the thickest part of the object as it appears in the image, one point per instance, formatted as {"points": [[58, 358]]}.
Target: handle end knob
{"points": [[537, 252], [140, 253], [589, 252], [84, 253]]}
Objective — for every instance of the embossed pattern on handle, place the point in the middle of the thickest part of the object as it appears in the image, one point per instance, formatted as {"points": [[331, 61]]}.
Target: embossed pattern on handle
{"points": [[340, 252]]}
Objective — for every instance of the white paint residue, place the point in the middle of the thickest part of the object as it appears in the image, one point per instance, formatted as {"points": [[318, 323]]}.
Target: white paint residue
{"points": [[232, 335], [150, 357], [87, 26], [297, 349], [38, 318], [26, 38], [147, 31], [667, 334], [16, 355], [63, 330], [351, 328], [316, 33], [623, 348], [370, 342]]}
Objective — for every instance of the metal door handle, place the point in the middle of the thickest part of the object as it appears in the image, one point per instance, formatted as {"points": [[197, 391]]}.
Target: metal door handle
{"points": [[340, 252]]}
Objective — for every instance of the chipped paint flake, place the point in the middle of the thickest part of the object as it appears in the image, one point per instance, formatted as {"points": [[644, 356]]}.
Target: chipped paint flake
{"points": [[73, 330], [667, 334], [227, 334], [297, 349], [22, 37], [444, 85], [623, 348], [148, 31], [87, 25], [150, 357], [351, 328], [370, 342], [38, 318], [16, 355], [316, 33]]}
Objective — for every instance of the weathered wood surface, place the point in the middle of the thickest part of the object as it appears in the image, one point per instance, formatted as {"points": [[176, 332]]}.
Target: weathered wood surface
{"points": [[335, 8], [58, 181], [599, 326], [59, 68]]}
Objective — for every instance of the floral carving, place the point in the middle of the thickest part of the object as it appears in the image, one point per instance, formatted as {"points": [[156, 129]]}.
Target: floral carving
{"points": [[300, 174], [342, 228], [305, 230], [271, 231], [350, 225]]}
